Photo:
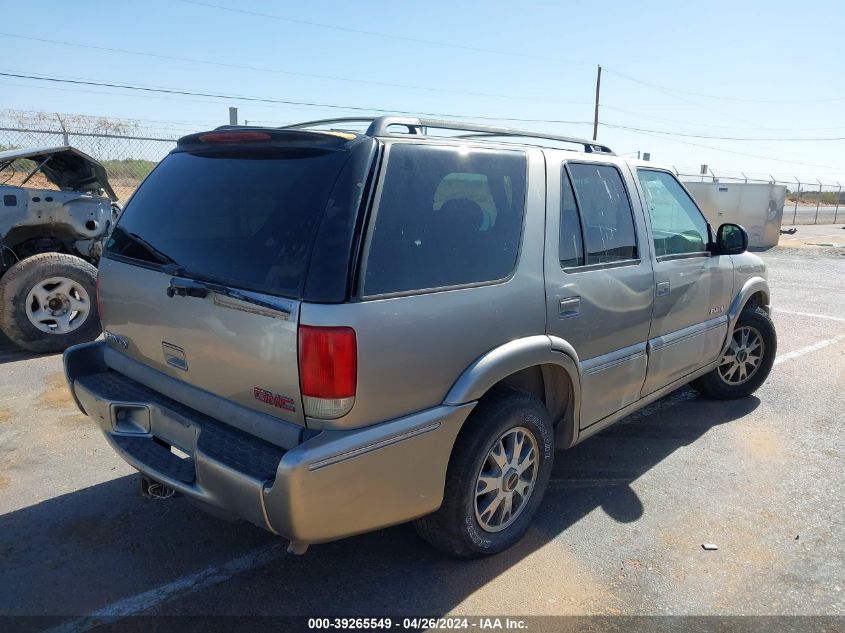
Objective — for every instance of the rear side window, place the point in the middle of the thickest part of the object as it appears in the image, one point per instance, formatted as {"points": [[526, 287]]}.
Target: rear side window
{"points": [[606, 215], [246, 219], [571, 245], [447, 216]]}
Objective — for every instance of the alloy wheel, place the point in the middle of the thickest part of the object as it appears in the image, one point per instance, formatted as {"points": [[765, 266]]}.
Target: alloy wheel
{"points": [[506, 479], [743, 357]]}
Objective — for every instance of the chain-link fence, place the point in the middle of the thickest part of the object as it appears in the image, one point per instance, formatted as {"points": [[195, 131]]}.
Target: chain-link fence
{"points": [[808, 200], [127, 149]]}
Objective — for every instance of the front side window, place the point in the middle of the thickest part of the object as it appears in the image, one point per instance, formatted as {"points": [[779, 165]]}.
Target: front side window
{"points": [[447, 216], [677, 224], [608, 222]]}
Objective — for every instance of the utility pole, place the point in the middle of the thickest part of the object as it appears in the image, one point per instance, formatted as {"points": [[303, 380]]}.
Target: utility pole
{"points": [[596, 116]]}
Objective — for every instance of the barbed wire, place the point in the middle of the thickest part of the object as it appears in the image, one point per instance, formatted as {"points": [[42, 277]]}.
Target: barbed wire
{"points": [[130, 148]]}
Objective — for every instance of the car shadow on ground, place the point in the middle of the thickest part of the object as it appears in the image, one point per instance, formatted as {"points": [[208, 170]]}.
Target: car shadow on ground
{"points": [[10, 352], [89, 548], [15, 354]]}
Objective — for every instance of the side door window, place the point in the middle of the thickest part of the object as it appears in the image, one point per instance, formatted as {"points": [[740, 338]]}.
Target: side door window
{"points": [[571, 244], [677, 225], [606, 215]]}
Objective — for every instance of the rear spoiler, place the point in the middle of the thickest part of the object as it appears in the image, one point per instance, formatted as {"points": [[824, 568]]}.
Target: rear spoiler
{"points": [[231, 135]]}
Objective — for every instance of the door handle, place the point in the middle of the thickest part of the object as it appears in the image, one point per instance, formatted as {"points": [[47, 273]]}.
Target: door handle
{"points": [[663, 288], [569, 308]]}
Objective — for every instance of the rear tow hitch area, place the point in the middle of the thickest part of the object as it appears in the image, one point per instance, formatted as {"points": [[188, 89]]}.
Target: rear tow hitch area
{"points": [[155, 490]]}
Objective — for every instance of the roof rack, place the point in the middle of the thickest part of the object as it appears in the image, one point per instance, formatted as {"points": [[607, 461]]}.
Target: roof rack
{"points": [[379, 126]]}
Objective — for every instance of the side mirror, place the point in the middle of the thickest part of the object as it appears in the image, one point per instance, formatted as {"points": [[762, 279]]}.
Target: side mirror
{"points": [[731, 239]]}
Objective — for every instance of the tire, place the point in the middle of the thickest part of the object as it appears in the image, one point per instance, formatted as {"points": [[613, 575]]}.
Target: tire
{"points": [[455, 528], [27, 290], [715, 385]]}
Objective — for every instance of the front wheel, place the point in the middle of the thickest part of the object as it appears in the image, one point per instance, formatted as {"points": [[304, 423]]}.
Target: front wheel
{"points": [[746, 364], [48, 302], [497, 476]]}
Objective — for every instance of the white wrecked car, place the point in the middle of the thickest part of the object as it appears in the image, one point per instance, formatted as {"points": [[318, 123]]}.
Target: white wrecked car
{"points": [[50, 241]]}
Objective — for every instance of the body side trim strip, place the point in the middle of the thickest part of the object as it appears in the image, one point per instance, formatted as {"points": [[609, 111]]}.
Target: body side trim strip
{"points": [[665, 340], [372, 447], [617, 357], [598, 425]]}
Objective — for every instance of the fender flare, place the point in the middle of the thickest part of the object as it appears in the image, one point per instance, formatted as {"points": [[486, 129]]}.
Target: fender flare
{"points": [[517, 355], [751, 286]]}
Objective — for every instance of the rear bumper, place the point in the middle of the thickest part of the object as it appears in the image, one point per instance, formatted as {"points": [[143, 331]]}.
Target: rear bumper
{"points": [[332, 485]]}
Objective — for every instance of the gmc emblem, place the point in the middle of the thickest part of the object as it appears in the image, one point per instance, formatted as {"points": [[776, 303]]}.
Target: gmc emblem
{"points": [[274, 400]]}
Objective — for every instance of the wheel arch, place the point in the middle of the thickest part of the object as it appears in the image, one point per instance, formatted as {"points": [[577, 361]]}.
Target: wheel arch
{"points": [[754, 289], [544, 366]]}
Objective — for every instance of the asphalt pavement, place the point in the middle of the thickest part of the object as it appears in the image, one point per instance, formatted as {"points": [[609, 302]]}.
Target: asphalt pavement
{"points": [[620, 531]]}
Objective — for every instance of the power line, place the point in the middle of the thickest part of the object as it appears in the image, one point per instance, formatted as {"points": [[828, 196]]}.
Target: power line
{"points": [[281, 72], [728, 151], [168, 98], [703, 107], [720, 127], [170, 91], [721, 138], [428, 88], [391, 36], [720, 97], [315, 104], [441, 43]]}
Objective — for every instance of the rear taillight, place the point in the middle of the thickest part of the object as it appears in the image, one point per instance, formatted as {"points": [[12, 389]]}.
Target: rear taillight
{"points": [[328, 370]]}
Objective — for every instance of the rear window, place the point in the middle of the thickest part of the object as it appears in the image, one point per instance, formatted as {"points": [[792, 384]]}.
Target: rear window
{"points": [[245, 219], [447, 216]]}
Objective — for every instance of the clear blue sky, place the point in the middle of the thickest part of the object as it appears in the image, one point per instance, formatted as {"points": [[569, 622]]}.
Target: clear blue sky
{"points": [[538, 61]]}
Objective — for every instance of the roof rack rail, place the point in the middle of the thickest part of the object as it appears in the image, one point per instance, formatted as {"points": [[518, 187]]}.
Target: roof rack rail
{"points": [[379, 126], [346, 119]]}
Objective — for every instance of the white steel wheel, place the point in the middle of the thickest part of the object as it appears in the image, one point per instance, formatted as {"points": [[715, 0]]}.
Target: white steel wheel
{"points": [[48, 302], [57, 305], [506, 479]]}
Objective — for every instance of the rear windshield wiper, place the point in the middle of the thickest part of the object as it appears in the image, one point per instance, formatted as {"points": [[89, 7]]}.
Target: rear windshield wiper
{"points": [[190, 285]]}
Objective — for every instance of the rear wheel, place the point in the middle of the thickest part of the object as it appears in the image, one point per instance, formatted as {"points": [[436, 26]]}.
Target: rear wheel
{"points": [[746, 363], [48, 302], [497, 476]]}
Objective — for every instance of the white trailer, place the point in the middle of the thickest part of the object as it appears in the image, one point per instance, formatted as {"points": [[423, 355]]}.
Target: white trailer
{"points": [[757, 207]]}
